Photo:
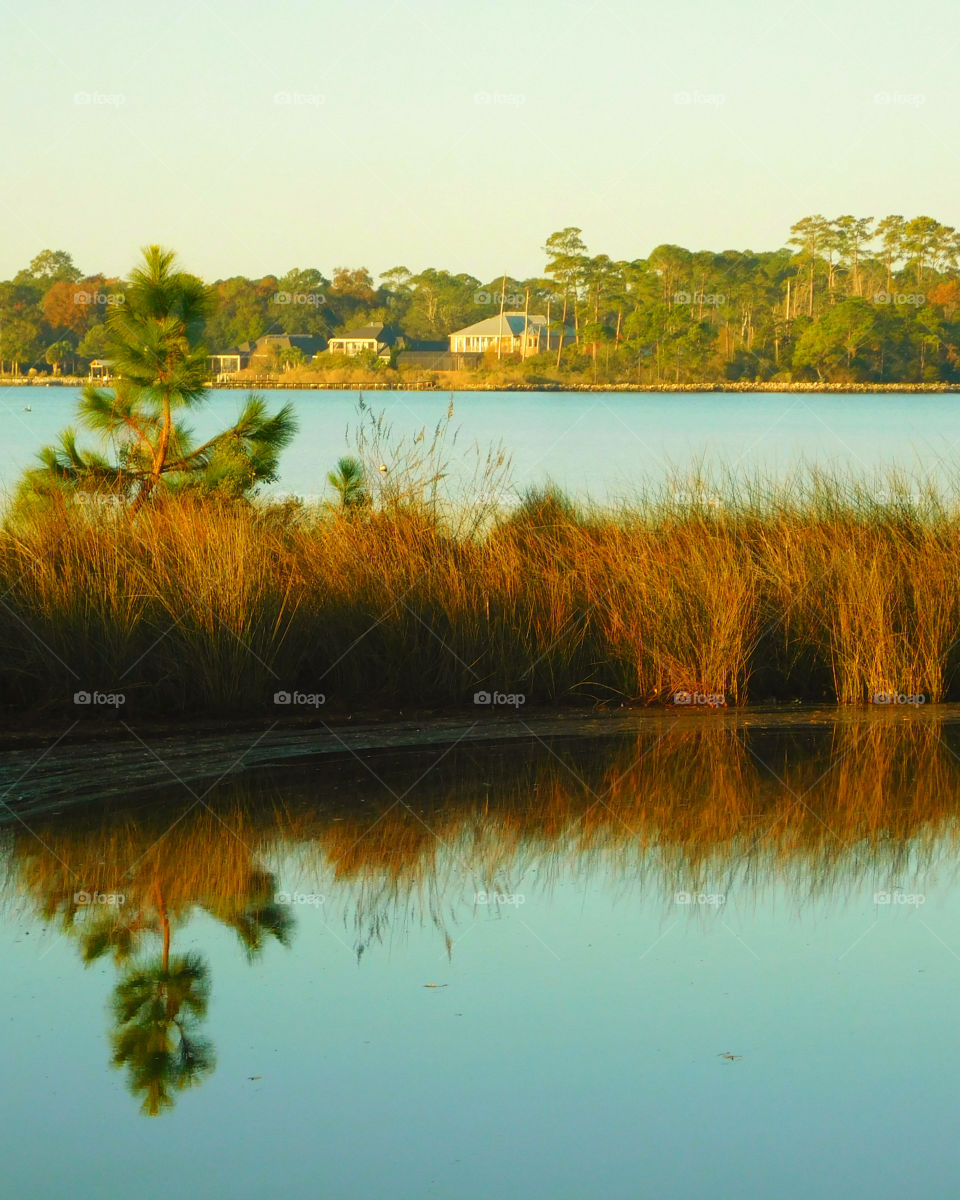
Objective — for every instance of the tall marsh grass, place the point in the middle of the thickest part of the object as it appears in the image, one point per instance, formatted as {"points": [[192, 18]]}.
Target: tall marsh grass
{"points": [[822, 589]]}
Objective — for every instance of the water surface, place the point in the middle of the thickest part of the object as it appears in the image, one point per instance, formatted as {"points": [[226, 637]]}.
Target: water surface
{"points": [[675, 961], [599, 444]]}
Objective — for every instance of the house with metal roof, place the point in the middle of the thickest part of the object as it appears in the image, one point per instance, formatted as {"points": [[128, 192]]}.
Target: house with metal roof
{"points": [[507, 333]]}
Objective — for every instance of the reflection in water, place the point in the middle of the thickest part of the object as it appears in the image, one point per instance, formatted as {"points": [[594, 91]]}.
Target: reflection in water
{"points": [[152, 999], [823, 811], [120, 887]]}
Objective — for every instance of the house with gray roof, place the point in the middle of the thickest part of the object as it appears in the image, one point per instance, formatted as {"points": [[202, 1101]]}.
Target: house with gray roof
{"points": [[376, 337], [507, 333]]}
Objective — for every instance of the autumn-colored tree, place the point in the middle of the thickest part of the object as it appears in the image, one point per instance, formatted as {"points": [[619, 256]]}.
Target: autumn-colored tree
{"points": [[356, 285], [75, 305], [946, 296]]}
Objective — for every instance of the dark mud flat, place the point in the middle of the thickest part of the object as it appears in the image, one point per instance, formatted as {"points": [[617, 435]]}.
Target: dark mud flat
{"points": [[62, 771]]}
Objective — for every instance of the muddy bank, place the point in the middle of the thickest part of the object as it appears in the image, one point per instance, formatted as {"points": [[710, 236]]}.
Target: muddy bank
{"points": [[57, 772]]}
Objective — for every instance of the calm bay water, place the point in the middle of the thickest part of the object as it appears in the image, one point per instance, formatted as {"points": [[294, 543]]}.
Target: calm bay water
{"points": [[700, 961], [601, 444], [706, 961]]}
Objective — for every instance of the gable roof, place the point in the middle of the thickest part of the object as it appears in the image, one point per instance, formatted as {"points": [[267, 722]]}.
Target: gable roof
{"points": [[306, 342], [376, 331], [364, 333], [510, 324]]}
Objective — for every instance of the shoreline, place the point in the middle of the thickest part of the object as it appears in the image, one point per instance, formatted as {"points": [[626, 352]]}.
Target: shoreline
{"points": [[465, 385], [111, 764]]}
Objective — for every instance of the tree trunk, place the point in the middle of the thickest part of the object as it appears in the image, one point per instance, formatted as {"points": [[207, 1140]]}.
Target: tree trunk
{"points": [[164, 924], [563, 325], [159, 459]]}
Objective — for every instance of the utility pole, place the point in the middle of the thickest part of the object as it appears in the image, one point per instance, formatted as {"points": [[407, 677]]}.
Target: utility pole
{"points": [[503, 296], [563, 325]]}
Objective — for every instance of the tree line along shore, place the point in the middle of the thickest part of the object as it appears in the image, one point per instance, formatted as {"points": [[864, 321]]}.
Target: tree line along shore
{"points": [[848, 300]]}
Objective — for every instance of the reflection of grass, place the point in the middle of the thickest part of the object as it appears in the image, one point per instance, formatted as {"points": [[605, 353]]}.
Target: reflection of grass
{"points": [[856, 806], [818, 591]]}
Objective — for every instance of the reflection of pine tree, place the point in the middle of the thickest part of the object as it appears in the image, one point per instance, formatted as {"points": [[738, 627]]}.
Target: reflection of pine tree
{"points": [[160, 1000], [157, 1007]]}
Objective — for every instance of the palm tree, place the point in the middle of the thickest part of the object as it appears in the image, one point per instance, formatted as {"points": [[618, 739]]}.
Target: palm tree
{"points": [[57, 354], [160, 367]]}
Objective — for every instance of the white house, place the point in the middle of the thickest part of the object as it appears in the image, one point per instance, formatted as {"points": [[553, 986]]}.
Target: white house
{"points": [[376, 337], [513, 332]]}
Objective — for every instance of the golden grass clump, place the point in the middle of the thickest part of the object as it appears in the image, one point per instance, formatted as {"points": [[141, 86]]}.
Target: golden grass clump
{"points": [[822, 590]]}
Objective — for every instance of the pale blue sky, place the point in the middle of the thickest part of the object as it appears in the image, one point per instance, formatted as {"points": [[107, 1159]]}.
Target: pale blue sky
{"points": [[459, 135]]}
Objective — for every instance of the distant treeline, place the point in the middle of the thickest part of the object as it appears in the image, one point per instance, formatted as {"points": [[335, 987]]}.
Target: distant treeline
{"points": [[847, 300]]}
